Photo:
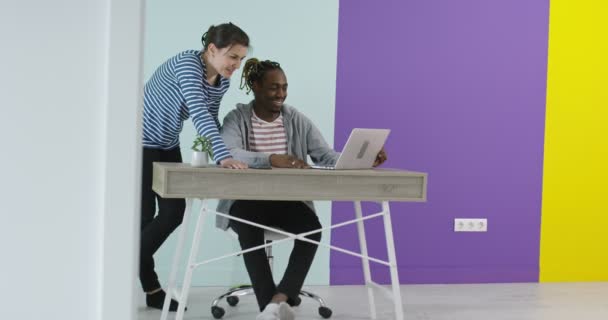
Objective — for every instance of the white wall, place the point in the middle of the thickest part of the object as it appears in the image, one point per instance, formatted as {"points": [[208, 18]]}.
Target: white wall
{"points": [[302, 36], [122, 160], [69, 104], [57, 160]]}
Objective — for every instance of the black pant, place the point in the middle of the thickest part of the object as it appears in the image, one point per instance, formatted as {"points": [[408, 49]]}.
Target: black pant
{"points": [[291, 216], [155, 230]]}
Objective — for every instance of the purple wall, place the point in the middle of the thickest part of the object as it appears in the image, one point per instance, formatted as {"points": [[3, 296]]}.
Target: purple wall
{"points": [[462, 86]]}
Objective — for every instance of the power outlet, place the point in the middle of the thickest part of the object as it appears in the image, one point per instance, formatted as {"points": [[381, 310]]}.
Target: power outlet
{"points": [[470, 225]]}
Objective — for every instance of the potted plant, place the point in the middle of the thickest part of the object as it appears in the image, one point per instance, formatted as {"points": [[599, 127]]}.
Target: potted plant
{"points": [[201, 151]]}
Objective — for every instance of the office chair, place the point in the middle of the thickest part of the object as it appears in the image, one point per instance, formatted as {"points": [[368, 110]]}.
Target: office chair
{"points": [[233, 294]]}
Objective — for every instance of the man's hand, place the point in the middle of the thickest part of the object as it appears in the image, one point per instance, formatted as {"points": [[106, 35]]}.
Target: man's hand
{"points": [[380, 158], [287, 161], [233, 164]]}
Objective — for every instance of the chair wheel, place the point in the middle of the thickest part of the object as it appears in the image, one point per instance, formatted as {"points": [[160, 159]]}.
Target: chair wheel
{"points": [[296, 301], [217, 312], [232, 300], [325, 312]]}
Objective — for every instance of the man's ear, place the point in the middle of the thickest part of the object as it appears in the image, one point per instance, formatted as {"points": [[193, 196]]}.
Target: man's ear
{"points": [[255, 86]]}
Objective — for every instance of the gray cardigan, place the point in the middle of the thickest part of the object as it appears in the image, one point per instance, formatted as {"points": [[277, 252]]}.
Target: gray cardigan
{"points": [[303, 138]]}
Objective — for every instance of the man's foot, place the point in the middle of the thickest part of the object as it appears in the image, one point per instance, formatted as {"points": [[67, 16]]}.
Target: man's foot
{"points": [[157, 299], [271, 312], [286, 312]]}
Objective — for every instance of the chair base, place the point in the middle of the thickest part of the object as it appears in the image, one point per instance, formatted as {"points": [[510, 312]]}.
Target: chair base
{"points": [[232, 298]]}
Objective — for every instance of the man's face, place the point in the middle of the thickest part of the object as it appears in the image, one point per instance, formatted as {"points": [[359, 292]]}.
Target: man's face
{"points": [[271, 92]]}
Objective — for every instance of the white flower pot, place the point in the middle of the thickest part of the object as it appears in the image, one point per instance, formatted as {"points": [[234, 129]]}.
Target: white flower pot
{"points": [[199, 159]]}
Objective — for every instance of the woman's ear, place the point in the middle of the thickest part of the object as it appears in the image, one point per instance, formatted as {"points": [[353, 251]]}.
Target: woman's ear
{"points": [[212, 49]]}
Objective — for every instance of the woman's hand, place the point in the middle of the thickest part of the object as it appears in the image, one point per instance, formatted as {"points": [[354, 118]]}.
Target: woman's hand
{"points": [[287, 161], [233, 164], [380, 158]]}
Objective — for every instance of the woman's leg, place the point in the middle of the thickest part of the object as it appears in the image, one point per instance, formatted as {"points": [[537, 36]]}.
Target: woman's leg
{"points": [[157, 229], [147, 276]]}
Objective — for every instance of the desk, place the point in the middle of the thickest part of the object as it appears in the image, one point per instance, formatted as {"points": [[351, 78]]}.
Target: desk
{"points": [[180, 180]]}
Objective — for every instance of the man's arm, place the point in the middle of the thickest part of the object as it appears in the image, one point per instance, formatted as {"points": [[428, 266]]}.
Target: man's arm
{"points": [[318, 149]]}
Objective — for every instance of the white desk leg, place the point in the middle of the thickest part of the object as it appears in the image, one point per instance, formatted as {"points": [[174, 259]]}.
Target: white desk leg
{"points": [[176, 257], [196, 240], [392, 259], [366, 269]]}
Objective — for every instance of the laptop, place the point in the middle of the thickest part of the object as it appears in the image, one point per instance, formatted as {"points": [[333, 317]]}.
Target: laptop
{"points": [[360, 150]]}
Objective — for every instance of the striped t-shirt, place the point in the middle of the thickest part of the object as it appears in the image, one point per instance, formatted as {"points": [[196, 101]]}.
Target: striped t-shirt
{"points": [[177, 90], [268, 137]]}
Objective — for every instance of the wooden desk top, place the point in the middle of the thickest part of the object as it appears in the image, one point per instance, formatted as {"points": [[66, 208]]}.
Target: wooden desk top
{"points": [[180, 180]]}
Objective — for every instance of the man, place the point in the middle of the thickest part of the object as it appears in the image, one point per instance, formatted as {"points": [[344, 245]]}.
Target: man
{"points": [[268, 133]]}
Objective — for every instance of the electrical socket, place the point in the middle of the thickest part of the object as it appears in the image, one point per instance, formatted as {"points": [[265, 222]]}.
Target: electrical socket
{"points": [[470, 225]]}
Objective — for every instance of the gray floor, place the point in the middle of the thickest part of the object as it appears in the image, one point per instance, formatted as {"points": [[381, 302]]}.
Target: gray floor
{"points": [[530, 301]]}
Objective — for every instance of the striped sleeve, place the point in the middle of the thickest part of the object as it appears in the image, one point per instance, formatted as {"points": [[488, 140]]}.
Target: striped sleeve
{"points": [[190, 81]]}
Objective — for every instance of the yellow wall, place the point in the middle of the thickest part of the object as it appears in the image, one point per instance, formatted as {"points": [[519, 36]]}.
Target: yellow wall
{"points": [[574, 234]]}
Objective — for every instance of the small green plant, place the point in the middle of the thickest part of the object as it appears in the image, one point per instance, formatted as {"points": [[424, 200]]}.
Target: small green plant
{"points": [[203, 144]]}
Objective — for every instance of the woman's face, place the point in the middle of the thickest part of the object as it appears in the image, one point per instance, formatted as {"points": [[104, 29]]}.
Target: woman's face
{"points": [[226, 60]]}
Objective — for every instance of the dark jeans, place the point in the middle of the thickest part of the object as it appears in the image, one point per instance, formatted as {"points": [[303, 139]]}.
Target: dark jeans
{"points": [[291, 216], [156, 229]]}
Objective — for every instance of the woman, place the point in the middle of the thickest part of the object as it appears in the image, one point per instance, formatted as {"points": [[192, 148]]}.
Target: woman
{"points": [[190, 84]]}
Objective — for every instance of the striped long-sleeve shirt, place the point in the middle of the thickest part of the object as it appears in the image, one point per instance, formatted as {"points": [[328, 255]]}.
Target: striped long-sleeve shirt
{"points": [[177, 90]]}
